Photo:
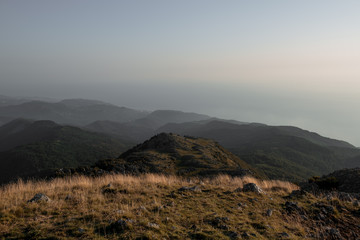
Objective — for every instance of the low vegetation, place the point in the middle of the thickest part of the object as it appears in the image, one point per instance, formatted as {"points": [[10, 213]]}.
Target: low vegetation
{"points": [[165, 207]]}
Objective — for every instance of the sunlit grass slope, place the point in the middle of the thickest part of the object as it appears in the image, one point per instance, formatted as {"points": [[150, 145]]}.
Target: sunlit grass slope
{"points": [[150, 207]]}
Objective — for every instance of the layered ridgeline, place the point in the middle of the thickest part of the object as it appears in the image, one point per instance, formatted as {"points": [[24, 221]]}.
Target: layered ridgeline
{"points": [[72, 111], [141, 129], [31, 148], [172, 154], [281, 152]]}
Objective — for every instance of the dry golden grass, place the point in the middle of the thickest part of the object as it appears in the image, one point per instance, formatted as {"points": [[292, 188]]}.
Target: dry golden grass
{"points": [[15, 193], [147, 201]]}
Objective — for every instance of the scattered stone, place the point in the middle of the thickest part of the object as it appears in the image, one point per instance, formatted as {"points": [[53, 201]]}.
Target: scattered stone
{"points": [[69, 198], [345, 197], [252, 187], [269, 212], [193, 189], [284, 235], [335, 234], [123, 191], [253, 200], [356, 203], [142, 208], [297, 194], [172, 194], [325, 209], [39, 197], [321, 216], [329, 197], [292, 207], [108, 189], [245, 235], [242, 205], [81, 230], [232, 235], [220, 223], [119, 225], [269, 227], [153, 225]]}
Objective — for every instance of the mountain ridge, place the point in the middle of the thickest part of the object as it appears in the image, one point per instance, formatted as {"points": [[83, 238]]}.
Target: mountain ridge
{"points": [[172, 154]]}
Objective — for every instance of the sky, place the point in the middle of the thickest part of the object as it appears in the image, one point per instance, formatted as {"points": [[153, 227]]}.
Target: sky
{"points": [[276, 62]]}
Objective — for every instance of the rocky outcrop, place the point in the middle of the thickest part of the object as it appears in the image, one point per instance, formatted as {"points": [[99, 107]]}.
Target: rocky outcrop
{"points": [[348, 180], [252, 187]]}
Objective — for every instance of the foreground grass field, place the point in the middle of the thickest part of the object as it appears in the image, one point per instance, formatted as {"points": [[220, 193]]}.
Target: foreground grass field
{"points": [[155, 207]]}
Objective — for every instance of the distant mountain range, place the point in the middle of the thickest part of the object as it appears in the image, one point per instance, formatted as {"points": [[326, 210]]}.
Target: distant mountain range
{"points": [[174, 155], [31, 148], [282, 152], [141, 129], [77, 112]]}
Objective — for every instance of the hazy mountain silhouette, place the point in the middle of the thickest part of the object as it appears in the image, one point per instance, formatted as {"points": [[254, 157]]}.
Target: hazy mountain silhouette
{"points": [[133, 130], [9, 101], [141, 129], [29, 147], [281, 152], [73, 111]]}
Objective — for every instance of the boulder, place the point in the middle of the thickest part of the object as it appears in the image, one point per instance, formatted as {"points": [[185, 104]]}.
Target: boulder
{"points": [[192, 189], [252, 187], [39, 197]]}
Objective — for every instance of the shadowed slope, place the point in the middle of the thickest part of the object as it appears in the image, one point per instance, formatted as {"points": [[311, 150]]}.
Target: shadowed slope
{"points": [[174, 154]]}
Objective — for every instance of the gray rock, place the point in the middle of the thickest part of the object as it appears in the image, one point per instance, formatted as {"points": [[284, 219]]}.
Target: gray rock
{"points": [[153, 225], [192, 189], [297, 194], [252, 187], [119, 225], [284, 235], [325, 209], [345, 197], [269, 212], [245, 235], [242, 205], [232, 235], [293, 207], [356, 203], [335, 234], [142, 208], [39, 197], [69, 198]]}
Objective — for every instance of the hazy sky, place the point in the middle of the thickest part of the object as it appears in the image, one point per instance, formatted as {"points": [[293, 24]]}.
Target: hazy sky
{"points": [[276, 62]]}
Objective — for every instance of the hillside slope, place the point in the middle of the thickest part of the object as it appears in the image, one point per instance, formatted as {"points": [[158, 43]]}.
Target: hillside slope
{"points": [[281, 152], [175, 155], [27, 148]]}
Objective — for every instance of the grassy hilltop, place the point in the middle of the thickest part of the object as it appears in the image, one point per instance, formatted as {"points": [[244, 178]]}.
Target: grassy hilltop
{"points": [[158, 207]]}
